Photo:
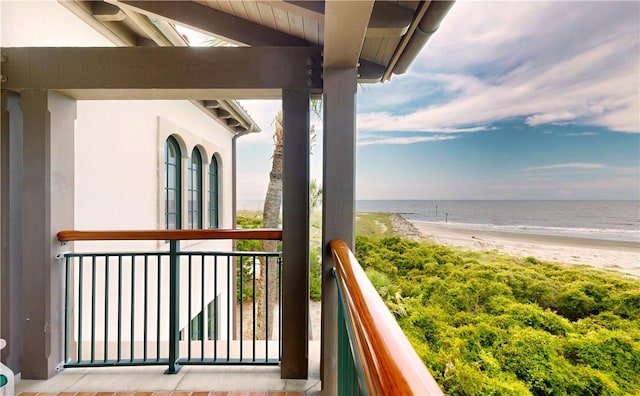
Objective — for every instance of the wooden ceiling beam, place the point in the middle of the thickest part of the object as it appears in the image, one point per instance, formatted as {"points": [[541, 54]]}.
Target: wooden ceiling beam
{"points": [[345, 27], [113, 31], [389, 20], [210, 21], [175, 70], [106, 12]]}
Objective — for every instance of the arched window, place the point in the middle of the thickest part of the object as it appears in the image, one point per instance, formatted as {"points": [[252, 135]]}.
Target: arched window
{"points": [[172, 187], [195, 190], [213, 193]]}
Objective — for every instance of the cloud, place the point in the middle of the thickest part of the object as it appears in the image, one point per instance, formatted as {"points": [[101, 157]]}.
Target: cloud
{"points": [[571, 165], [386, 121], [581, 134], [521, 61], [402, 140], [549, 118]]}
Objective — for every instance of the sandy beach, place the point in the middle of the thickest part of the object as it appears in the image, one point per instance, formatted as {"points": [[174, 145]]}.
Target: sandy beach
{"points": [[611, 255]]}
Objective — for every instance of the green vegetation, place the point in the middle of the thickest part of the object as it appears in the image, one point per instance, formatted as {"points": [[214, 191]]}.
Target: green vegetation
{"points": [[486, 323], [248, 219], [253, 219], [377, 225], [492, 324]]}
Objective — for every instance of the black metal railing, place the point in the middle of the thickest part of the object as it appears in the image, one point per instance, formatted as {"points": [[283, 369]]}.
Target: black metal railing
{"points": [[170, 307]]}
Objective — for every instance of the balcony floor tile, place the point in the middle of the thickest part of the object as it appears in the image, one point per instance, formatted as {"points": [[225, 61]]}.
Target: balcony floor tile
{"points": [[190, 381]]}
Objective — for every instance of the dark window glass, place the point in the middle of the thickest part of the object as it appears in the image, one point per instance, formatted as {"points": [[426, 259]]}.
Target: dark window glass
{"points": [[172, 188]]}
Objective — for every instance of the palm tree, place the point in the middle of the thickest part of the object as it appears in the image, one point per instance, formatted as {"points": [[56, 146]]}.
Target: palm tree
{"points": [[270, 217]]}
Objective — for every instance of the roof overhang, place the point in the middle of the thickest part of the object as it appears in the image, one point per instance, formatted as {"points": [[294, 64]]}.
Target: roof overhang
{"points": [[380, 37]]}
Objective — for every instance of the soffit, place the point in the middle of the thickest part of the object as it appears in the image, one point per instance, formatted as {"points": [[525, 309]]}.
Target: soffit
{"points": [[127, 28], [380, 37]]}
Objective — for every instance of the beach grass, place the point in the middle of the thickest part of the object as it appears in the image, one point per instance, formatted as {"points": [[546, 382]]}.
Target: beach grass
{"points": [[375, 225]]}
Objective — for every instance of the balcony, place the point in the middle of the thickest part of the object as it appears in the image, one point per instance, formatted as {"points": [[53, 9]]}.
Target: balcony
{"points": [[131, 317], [121, 339]]}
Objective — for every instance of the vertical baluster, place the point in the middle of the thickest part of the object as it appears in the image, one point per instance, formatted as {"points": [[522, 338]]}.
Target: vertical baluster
{"points": [[241, 304], [80, 305], [189, 322], [67, 308], [279, 258], [174, 307], [229, 302], [254, 309], [93, 309], [106, 307], [203, 330], [119, 343], [146, 306], [215, 308], [133, 307], [158, 306], [266, 311]]}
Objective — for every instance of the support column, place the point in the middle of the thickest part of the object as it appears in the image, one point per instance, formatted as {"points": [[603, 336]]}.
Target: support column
{"points": [[48, 199], [338, 202], [11, 229], [295, 234]]}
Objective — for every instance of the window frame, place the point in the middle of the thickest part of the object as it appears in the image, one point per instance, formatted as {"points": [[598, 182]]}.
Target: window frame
{"points": [[172, 142], [194, 191], [214, 191]]}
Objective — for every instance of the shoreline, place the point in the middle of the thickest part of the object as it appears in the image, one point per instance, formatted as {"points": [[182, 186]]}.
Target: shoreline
{"points": [[620, 256]]}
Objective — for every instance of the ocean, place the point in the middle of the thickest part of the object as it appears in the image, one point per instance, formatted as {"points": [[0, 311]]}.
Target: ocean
{"points": [[612, 220]]}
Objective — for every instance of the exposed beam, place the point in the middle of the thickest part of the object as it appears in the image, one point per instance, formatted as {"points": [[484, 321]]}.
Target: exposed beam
{"points": [[156, 37], [174, 71], [306, 9], [116, 33], [212, 21], [345, 26], [389, 20], [106, 12], [174, 94], [369, 72]]}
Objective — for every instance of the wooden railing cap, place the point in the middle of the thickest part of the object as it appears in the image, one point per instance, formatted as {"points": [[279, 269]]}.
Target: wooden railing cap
{"points": [[169, 235], [390, 365]]}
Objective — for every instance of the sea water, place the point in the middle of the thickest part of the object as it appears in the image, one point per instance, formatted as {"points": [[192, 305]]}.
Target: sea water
{"points": [[613, 220]]}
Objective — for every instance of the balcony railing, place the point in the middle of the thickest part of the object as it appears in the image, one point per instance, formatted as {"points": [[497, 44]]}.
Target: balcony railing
{"points": [[374, 355], [169, 307]]}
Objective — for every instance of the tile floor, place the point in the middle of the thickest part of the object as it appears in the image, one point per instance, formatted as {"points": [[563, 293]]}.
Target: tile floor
{"points": [[189, 381]]}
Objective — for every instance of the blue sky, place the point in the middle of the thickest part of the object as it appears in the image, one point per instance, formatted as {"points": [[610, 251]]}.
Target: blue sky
{"points": [[508, 100]]}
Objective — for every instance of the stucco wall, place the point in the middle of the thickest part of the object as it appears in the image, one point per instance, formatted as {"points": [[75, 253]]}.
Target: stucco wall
{"points": [[118, 149]]}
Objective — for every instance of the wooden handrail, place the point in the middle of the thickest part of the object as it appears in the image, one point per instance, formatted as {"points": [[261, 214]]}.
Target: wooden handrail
{"points": [[390, 365], [169, 235]]}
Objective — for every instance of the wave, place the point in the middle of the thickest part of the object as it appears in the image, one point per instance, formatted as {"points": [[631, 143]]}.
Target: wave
{"points": [[592, 233]]}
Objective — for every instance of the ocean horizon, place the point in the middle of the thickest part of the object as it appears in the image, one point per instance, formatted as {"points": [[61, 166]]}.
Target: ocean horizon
{"points": [[595, 219]]}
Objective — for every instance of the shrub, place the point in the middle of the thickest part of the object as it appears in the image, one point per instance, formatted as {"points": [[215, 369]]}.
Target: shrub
{"points": [[315, 275], [488, 324]]}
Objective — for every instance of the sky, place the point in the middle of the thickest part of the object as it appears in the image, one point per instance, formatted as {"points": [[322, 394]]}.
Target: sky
{"points": [[508, 100]]}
